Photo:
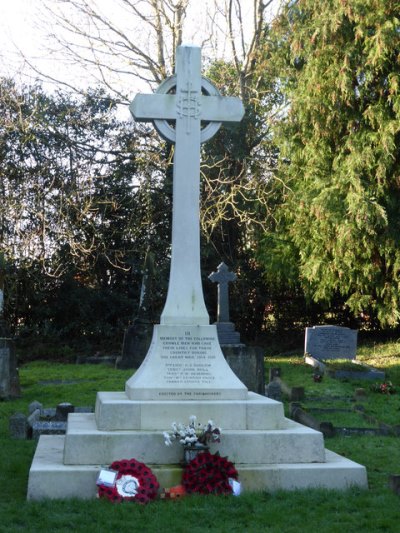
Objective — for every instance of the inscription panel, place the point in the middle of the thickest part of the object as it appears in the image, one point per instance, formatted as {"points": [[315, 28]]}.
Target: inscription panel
{"points": [[187, 360]]}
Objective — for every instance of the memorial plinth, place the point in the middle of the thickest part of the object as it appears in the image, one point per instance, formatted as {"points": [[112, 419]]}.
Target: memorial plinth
{"points": [[270, 451], [184, 372]]}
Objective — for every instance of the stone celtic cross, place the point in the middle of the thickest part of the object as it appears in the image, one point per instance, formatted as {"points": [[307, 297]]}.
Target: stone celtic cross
{"points": [[223, 276], [187, 110]]}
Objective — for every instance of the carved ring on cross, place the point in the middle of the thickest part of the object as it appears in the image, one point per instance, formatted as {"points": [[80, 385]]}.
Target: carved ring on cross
{"points": [[166, 129]]}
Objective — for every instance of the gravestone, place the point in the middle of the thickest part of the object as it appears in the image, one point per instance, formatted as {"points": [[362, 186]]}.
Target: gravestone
{"points": [[34, 417], [324, 343], [225, 328], [35, 405], [137, 337], [247, 362], [62, 411], [184, 372], [43, 421], [331, 342], [3, 328], [9, 378], [18, 426], [273, 390]]}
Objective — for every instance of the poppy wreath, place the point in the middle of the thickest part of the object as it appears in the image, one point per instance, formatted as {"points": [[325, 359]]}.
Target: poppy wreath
{"points": [[134, 482], [209, 474]]}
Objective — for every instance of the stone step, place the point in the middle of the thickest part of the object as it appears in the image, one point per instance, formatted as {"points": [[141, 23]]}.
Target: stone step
{"points": [[49, 478], [115, 411], [85, 444]]}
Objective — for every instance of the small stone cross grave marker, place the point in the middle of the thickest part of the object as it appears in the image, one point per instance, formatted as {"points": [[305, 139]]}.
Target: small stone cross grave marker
{"points": [[223, 277]]}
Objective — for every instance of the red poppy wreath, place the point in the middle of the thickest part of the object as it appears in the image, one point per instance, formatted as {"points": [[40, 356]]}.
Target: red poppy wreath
{"points": [[209, 474], [134, 482]]}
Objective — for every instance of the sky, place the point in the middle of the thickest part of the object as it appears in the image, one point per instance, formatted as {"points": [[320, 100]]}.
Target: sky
{"points": [[22, 30], [16, 29]]}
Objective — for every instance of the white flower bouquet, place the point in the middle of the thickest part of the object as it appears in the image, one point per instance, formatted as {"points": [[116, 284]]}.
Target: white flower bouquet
{"points": [[194, 434]]}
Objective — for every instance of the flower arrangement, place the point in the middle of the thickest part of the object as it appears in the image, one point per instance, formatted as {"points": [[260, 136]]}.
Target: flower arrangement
{"points": [[134, 482], [194, 434], [209, 474], [384, 388]]}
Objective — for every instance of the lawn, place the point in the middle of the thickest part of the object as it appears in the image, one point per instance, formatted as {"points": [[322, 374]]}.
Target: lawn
{"points": [[375, 509]]}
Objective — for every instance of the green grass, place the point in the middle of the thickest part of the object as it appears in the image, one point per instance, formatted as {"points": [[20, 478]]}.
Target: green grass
{"points": [[355, 510], [329, 511], [344, 364]]}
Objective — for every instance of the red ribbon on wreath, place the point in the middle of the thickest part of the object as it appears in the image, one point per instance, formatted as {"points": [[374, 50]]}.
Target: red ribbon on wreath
{"points": [[134, 482], [209, 474]]}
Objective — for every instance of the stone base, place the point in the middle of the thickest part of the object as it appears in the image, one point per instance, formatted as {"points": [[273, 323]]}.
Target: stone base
{"points": [[49, 478], [227, 334], [85, 444], [115, 411], [270, 451]]}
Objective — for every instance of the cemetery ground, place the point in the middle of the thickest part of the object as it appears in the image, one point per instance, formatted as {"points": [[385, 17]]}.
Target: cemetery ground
{"points": [[375, 509]]}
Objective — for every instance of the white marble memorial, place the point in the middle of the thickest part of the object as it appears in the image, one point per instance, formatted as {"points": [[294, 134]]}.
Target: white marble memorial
{"points": [[184, 372], [185, 359]]}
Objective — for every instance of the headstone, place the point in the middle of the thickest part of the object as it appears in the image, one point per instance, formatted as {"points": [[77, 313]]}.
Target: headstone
{"points": [[274, 391], [394, 483], [3, 327], [225, 328], [1, 299], [360, 395], [246, 361], [248, 364], [34, 405], [33, 417], [137, 337], [4, 333], [63, 410], [223, 277], [48, 413], [331, 342], [18, 426], [9, 378], [43, 421], [274, 372]]}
